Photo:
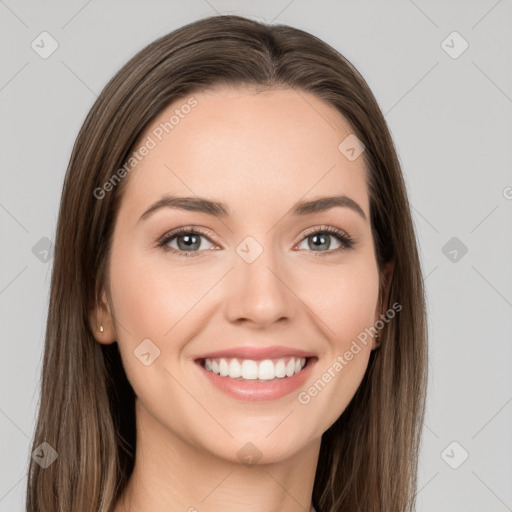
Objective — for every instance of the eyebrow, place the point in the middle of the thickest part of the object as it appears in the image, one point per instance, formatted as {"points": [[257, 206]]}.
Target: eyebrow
{"points": [[218, 209]]}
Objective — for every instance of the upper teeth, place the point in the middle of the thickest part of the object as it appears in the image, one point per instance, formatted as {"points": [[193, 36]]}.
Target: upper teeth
{"points": [[249, 369]]}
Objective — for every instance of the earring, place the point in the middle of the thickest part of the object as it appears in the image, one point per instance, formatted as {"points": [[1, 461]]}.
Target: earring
{"points": [[101, 328], [377, 342]]}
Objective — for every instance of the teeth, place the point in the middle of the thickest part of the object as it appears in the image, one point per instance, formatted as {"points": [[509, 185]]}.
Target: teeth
{"points": [[235, 369], [267, 370], [223, 368], [290, 367], [280, 369], [248, 369]]}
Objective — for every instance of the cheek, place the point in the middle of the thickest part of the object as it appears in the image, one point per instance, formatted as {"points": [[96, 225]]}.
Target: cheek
{"points": [[345, 300], [150, 294], [153, 301], [345, 304]]}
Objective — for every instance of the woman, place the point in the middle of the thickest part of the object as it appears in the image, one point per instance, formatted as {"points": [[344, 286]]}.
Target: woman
{"points": [[237, 312]]}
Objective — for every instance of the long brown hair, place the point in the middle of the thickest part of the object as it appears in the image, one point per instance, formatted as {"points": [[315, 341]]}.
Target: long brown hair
{"points": [[369, 456]]}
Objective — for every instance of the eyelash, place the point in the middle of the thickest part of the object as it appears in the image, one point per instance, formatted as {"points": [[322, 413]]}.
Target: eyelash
{"points": [[346, 241]]}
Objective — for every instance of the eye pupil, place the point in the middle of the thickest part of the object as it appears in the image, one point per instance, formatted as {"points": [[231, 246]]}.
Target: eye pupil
{"points": [[191, 241], [324, 240]]}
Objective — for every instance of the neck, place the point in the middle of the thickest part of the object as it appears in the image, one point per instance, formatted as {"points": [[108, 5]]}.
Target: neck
{"points": [[173, 474]]}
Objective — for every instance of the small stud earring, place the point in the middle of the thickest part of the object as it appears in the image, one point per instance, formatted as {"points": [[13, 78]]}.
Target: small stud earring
{"points": [[101, 328]]}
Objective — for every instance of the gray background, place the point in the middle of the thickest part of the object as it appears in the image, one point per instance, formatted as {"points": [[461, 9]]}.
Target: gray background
{"points": [[450, 118]]}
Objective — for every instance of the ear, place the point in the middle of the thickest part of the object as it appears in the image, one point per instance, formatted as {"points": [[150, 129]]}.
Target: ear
{"points": [[102, 322], [387, 275]]}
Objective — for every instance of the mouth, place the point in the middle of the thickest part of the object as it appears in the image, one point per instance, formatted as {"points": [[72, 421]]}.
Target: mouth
{"points": [[254, 370], [256, 373]]}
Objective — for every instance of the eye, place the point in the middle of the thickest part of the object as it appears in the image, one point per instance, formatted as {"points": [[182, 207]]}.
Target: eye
{"points": [[187, 240], [318, 239]]}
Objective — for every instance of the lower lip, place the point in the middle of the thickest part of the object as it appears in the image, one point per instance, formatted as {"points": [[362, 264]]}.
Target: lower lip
{"points": [[254, 390]]}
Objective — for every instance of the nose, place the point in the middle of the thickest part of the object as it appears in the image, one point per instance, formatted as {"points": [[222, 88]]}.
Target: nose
{"points": [[260, 293]]}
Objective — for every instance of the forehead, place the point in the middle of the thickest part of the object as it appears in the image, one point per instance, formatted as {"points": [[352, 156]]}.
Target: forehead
{"points": [[243, 146]]}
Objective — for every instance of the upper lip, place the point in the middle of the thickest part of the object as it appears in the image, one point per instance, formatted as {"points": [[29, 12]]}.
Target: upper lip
{"points": [[257, 353]]}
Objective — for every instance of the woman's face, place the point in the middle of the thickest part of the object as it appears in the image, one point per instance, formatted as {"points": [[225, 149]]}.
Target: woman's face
{"points": [[256, 279]]}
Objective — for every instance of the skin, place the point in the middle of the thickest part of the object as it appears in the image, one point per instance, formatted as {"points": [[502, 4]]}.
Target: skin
{"points": [[258, 152]]}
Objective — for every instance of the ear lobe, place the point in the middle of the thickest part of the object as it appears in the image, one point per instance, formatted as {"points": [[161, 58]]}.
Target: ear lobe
{"points": [[102, 322]]}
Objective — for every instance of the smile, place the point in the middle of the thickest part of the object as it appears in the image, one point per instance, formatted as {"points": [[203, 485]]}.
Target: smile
{"points": [[254, 373], [250, 369]]}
